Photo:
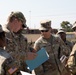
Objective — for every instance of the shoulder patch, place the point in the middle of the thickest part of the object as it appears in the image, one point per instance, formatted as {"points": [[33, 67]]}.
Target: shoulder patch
{"points": [[12, 70]]}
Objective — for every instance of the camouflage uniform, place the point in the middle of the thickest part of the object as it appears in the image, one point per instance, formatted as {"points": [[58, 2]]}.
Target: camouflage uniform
{"points": [[55, 48], [6, 59], [62, 35], [72, 61], [17, 47], [16, 42], [6, 63], [71, 64], [69, 45], [52, 46]]}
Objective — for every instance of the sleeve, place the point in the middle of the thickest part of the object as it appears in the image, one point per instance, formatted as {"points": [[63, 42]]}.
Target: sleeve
{"points": [[71, 63], [71, 60], [10, 67]]}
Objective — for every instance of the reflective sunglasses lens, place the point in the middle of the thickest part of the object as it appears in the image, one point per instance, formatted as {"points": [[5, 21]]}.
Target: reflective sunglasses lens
{"points": [[44, 30]]}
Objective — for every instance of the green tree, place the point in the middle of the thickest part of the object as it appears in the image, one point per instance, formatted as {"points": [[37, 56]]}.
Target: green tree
{"points": [[66, 26]]}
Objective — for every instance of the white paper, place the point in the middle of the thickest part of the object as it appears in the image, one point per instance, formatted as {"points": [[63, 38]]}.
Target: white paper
{"points": [[25, 73]]}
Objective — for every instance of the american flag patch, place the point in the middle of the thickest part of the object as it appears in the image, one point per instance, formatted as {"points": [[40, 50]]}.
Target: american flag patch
{"points": [[12, 70]]}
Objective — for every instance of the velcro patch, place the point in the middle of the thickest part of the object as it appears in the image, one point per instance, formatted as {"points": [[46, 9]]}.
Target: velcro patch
{"points": [[12, 70]]}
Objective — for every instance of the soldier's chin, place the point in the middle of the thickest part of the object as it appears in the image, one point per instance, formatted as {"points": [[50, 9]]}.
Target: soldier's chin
{"points": [[18, 31]]}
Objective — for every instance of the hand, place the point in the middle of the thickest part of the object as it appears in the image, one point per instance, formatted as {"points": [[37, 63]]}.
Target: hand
{"points": [[31, 56], [32, 50]]}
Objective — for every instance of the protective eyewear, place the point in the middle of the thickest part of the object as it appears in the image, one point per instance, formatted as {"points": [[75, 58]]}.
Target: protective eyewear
{"points": [[44, 30]]}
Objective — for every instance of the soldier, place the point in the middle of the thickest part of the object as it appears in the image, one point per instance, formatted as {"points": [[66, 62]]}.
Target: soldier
{"points": [[4, 56], [17, 45], [52, 44], [71, 64], [62, 35]]}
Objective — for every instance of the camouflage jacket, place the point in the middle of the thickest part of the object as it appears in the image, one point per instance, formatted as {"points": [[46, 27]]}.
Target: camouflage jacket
{"points": [[69, 45], [72, 60], [52, 46], [17, 48]]}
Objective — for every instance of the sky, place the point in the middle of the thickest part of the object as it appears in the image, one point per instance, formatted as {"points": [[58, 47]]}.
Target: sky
{"points": [[37, 10]]}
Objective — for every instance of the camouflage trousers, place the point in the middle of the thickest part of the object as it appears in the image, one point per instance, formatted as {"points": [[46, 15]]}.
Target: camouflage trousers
{"points": [[55, 72], [65, 72]]}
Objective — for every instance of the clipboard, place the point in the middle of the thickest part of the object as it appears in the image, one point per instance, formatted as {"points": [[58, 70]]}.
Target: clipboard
{"points": [[41, 58]]}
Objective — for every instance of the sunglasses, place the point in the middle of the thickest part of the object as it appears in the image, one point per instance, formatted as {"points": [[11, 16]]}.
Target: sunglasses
{"points": [[44, 30]]}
